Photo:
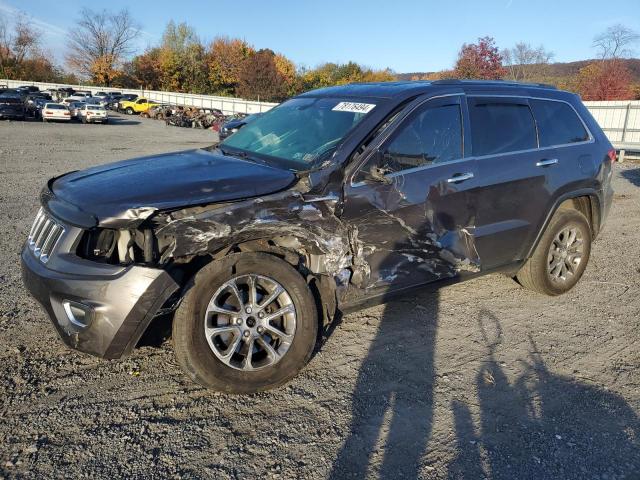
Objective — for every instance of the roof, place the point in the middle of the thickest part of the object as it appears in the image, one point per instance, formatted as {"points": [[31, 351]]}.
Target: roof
{"points": [[402, 88]]}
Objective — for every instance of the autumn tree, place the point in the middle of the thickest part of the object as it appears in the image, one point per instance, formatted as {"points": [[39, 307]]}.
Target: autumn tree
{"points": [[287, 70], [329, 74], [260, 78], [610, 80], [525, 63], [21, 55], [100, 42], [145, 69], [182, 60], [225, 60], [480, 60]]}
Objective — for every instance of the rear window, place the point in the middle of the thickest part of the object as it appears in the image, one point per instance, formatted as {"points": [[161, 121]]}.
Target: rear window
{"points": [[501, 126], [54, 106], [558, 123], [94, 107]]}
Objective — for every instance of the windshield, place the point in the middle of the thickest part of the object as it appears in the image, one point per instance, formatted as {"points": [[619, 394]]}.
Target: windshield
{"points": [[299, 133]]}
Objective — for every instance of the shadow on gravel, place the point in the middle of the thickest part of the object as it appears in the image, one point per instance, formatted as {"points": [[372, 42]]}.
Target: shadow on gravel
{"points": [[633, 176], [542, 426], [393, 399]]}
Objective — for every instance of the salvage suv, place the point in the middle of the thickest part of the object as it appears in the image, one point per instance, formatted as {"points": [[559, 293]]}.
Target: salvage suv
{"points": [[333, 200]]}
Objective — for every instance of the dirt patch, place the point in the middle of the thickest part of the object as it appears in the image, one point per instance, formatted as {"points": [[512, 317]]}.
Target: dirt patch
{"points": [[482, 380]]}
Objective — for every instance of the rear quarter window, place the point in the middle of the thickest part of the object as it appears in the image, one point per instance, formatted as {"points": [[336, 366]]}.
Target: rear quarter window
{"points": [[499, 126], [558, 123]]}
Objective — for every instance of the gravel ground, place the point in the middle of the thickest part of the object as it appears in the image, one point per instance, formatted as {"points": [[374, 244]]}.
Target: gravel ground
{"points": [[482, 380]]}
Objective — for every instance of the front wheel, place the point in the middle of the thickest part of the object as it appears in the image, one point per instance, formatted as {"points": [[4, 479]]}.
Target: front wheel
{"points": [[247, 323], [561, 257], [129, 111]]}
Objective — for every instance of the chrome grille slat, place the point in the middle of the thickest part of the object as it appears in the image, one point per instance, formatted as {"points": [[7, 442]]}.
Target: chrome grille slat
{"points": [[44, 235]]}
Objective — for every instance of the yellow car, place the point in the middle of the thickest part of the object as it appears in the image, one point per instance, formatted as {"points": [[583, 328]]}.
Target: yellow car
{"points": [[138, 105]]}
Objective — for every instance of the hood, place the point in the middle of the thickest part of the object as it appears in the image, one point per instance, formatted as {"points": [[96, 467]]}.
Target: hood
{"points": [[123, 192]]}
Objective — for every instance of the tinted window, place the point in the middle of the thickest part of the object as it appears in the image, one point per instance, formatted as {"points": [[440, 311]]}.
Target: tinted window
{"points": [[434, 135], [558, 123], [501, 127]]}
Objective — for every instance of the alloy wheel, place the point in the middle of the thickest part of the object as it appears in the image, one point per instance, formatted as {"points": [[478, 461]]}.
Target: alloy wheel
{"points": [[250, 322], [565, 254]]}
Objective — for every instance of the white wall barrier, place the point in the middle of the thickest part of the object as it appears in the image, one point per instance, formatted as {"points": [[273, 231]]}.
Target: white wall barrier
{"points": [[228, 105]]}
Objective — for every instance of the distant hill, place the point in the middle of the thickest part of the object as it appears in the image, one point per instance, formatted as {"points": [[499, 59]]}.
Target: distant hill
{"points": [[556, 70]]}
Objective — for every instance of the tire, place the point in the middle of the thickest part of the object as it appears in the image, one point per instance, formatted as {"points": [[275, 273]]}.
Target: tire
{"points": [[195, 354], [44, 120], [84, 120], [105, 122], [129, 111], [535, 274]]}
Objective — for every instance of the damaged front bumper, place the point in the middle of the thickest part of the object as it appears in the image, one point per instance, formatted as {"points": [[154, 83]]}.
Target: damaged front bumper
{"points": [[103, 313]]}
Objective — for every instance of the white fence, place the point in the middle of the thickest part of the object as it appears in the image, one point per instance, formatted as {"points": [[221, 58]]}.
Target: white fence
{"points": [[620, 120], [228, 105]]}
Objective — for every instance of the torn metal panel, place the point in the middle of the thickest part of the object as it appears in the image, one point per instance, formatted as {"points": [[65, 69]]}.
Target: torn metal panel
{"points": [[308, 226]]}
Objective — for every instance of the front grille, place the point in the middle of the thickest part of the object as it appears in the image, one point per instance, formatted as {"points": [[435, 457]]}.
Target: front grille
{"points": [[44, 235]]}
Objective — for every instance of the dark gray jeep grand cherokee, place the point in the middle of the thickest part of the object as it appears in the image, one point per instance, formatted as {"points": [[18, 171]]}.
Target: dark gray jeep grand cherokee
{"points": [[333, 200]]}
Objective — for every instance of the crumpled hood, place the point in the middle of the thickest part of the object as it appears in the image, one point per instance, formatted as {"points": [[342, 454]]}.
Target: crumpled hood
{"points": [[133, 189]]}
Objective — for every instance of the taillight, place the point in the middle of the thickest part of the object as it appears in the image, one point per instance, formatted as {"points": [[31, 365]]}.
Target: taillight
{"points": [[48, 112], [612, 155], [67, 113]]}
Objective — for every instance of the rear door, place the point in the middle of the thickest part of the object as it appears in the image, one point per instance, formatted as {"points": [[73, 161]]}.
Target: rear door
{"points": [[512, 191], [529, 151], [413, 213]]}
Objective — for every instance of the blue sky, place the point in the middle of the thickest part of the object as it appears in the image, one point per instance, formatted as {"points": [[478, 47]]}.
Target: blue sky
{"points": [[407, 36]]}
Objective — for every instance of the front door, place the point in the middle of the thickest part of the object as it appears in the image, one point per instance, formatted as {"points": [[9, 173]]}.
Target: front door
{"points": [[410, 200]]}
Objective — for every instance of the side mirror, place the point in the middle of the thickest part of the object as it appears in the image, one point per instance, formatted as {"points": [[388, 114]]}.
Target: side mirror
{"points": [[378, 170]]}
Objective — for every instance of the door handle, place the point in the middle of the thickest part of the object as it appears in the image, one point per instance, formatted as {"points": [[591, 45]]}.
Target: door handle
{"points": [[461, 177], [546, 163]]}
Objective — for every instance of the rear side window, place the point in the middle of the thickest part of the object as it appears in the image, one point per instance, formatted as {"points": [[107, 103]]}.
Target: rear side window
{"points": [[501, 126], [558, 123], [434, 135]]}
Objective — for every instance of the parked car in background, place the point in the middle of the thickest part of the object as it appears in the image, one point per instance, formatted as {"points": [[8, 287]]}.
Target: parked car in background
{"points": [[36, 109], [92, 113], [236, 124], [12, 107], [80, 96], [112, 101], [136, 106], [75, 108], [29, 88], [55, 111], [125, 98], [35, 102]]}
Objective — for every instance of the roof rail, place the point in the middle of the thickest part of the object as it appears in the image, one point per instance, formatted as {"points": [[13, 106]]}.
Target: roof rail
{"points": [[456, 81]]}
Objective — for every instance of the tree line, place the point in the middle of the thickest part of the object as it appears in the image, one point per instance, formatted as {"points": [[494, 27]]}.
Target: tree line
{"points": [[100, 50]]}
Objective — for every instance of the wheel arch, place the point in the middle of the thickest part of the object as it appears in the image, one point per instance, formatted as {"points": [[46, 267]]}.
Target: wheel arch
{"points": [[586, 201], [294, 252]]}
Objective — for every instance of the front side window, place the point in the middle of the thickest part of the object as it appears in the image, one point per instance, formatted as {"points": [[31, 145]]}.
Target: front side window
{"points": [[432, 135], [501, 126], [300, 133], [558, 123]]}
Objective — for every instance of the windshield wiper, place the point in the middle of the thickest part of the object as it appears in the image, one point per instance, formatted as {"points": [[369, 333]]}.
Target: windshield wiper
{"points": [[243, 155]]}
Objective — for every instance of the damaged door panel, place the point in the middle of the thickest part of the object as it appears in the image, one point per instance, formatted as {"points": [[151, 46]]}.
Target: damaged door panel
{"points": [[411, 200]]}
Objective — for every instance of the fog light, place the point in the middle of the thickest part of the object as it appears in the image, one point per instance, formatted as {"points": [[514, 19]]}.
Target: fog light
{"points": [[78, 314]]}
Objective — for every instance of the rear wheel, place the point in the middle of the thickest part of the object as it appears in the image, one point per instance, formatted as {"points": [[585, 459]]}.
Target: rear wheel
{"points": [[247, 323], [129, 111], [561, 257]]}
